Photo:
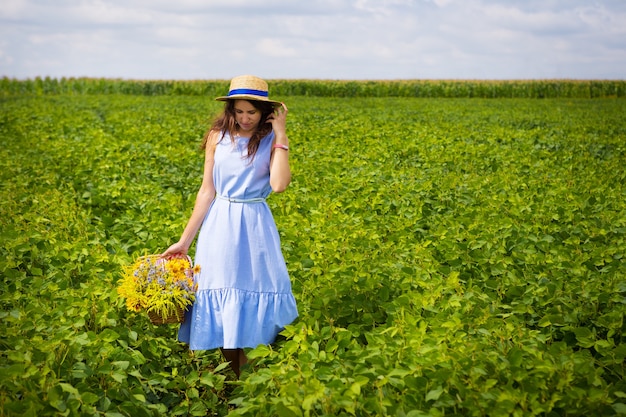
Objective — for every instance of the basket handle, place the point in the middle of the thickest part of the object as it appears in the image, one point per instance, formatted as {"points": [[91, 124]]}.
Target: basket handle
{"points": [[166, 259]]}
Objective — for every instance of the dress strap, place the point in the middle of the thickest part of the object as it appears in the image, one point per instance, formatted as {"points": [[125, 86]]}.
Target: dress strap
{"points": [[241, 200]]}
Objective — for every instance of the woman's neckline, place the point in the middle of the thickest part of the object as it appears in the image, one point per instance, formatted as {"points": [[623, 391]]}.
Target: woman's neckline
{"points": [[240, 136]]}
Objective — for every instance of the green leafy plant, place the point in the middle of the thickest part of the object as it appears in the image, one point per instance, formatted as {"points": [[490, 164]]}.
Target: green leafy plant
{"points": [[448, 256]]}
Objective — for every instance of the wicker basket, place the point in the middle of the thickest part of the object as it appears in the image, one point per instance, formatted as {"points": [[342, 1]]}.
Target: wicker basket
{"points": [[177, 316]]}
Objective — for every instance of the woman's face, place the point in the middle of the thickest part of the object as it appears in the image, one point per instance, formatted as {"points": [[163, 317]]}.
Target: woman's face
{"points": [[247, 117]]}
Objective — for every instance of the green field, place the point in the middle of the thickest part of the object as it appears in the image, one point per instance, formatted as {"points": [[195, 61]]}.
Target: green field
{"points": [[449, 256]]}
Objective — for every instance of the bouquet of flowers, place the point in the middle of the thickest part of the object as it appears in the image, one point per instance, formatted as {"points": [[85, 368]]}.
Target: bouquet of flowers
{"points": [[165, 288]]}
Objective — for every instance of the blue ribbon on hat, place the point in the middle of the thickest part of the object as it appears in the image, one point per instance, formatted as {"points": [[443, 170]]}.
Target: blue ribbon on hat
{"points": [[248, 91]]}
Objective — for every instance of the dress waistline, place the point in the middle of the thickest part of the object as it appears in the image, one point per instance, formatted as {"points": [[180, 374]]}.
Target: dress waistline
{"points": [[241, 200]]}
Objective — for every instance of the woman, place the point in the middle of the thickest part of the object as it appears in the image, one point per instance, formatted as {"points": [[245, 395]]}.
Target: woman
{"points": [[244, 295]]}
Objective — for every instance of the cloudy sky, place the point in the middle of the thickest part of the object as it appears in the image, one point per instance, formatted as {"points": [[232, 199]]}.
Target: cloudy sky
{"points": [[323, 39]]}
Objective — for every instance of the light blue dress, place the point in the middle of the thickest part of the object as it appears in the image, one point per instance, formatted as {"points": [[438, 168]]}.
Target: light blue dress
{"points": [[244, 296]]}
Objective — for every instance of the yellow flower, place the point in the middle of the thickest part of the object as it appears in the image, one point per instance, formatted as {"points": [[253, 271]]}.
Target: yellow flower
{"points": [[196, 269], [157, 284]]}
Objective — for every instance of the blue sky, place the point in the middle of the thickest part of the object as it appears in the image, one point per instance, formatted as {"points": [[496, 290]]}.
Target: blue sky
{"points": [[318, 39]]}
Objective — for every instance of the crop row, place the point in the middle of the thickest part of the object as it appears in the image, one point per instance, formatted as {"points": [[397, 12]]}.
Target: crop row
{"points": [[328, 88]]}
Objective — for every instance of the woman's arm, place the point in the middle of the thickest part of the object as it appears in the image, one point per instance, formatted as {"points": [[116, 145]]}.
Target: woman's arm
{"points": [[280, 172], [204, 198]]}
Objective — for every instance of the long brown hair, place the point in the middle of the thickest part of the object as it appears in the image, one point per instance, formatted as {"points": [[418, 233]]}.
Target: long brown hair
{"points": [[226, 122]]}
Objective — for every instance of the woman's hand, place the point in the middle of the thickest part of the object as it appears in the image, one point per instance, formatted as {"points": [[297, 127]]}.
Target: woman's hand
{"points": [[177, 250], [280, 173], [278, 119]]}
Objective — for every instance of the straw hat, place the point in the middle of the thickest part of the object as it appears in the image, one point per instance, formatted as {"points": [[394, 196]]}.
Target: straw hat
{"points": [[248, 87]]}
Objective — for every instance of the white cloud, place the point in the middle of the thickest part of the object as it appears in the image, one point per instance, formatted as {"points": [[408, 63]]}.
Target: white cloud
{"points": [[351, 39], [442, 3], [273, 47]]}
